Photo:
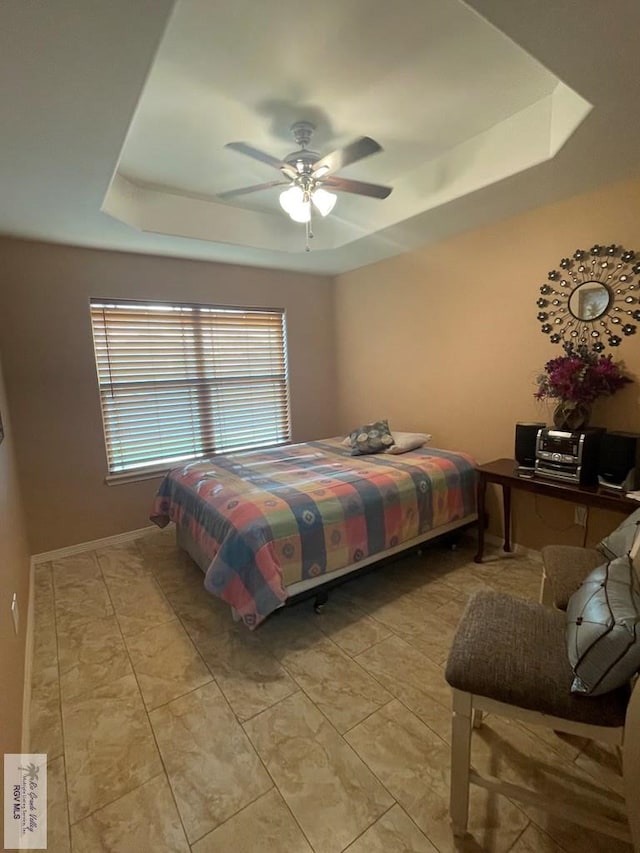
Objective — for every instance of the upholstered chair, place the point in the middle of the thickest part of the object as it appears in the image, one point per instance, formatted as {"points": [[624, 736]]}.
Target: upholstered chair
{"points": [[564, 567], [509, 657]]}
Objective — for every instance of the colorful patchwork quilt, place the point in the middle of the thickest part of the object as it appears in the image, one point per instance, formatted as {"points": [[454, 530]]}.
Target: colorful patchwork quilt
{"points": [[271, 518]]}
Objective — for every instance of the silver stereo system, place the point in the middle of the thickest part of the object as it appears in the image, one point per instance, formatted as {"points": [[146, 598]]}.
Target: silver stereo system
{"points": [[568, 456]]}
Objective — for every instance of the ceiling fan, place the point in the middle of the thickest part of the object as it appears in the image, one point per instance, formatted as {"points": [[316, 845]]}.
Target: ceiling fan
{"points": [[308, 176]]}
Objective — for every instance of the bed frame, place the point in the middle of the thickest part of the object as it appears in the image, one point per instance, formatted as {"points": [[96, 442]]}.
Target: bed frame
{"points": [[319, 587]]}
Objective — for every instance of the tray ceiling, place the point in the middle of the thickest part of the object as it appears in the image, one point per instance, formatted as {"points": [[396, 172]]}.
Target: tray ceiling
{"points": [[118, 123]]}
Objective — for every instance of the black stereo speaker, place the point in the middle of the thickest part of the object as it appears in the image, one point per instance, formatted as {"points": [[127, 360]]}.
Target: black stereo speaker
{"points": [[526, 435], [619, 460]]}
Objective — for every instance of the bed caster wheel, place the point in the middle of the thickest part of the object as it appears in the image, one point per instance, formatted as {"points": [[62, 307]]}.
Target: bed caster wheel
{"points": [[320, 601]]}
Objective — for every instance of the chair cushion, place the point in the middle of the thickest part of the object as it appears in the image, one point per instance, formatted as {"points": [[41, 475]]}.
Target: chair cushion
{"points": [[514, 651], [566, 566], [603, 628], [619, 542]]}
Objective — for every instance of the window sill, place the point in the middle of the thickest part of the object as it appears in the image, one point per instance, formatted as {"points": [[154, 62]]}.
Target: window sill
{"points": [[135, 476]]}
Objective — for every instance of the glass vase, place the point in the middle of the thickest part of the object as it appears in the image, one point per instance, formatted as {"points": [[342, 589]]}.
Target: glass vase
{"points": [[570, 416]]}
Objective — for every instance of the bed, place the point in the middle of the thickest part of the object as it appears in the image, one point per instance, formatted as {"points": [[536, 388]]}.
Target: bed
{"points": [[265, 526]]}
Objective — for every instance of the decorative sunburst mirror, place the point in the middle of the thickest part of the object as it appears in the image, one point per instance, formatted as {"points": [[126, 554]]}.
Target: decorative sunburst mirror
{"points": [[592, 298]]}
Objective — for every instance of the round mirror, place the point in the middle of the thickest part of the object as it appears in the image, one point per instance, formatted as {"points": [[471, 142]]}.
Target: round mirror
{"points": [[589, 300]]}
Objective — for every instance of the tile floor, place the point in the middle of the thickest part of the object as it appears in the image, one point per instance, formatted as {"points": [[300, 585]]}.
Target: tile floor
{"points": [[168, 727]]}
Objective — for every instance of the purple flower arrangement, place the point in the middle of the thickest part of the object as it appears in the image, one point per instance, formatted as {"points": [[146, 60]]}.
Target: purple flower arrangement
{"points": [[580, 376]]}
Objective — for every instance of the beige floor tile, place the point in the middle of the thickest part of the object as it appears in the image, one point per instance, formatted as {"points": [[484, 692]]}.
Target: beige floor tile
{"points": [[78, 568], [349, 626], [81, 602], [111, 755], [414, 679], [602, 762], [501, 747], [57, 809], [567, 746], [213, 769], [413, 764], [45, 643], [572, 838], [91, 654], [405, 615], [177, 574], [158, 544], [290, 629], [265, 825], [203, 618], [432, 637], [201, 613], [166, 663], [109, 747], [370, 592], [45, 721], [128, 593], [124, 562], [340, 688], [311, 764], [521, 578], [452, 611], [142, 821], [468, 579], [533, 840], [247, 673], [394, 832], [43, 603]]}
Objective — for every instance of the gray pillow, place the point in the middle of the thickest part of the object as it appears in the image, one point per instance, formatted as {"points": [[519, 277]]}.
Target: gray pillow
{"points": [[370, 438], [619, 542], [603, 628]]}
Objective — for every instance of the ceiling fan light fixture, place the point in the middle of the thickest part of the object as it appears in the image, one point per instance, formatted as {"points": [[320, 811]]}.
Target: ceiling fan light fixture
{"points": [[295, 202], [323, 201], [302, 213], [291, 198]]}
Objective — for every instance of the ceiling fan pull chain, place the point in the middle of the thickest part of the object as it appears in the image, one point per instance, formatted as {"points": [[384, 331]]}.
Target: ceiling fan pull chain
{"points": [[308, 229]]}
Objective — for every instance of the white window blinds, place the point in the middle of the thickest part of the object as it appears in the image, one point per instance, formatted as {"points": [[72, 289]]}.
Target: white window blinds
{"points": [[182, 381]]}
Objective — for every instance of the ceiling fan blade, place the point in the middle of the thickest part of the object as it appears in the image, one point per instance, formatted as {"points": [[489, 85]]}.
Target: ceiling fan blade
{"points": [[356, 150], [358, 187], [250, 151], [254, 189]]}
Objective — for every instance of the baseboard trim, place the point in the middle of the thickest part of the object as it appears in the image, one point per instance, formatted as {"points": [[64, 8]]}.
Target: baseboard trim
{"points": [[28, 662], [517, 549], [70, 550]]}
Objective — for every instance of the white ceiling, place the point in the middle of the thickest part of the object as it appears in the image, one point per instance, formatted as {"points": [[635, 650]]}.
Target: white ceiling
{"points": [[115, 118]]}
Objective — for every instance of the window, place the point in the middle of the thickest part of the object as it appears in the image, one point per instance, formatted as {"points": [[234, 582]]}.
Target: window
{"points": [[182, 381]]}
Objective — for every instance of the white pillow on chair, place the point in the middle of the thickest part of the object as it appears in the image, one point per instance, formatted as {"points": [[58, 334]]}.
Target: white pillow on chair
{"points": [[603, 626]]}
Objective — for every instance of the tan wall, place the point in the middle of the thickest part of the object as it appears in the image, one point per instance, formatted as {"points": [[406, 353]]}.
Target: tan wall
{"points": [[14, 577], [46, 344], [446, 339]]}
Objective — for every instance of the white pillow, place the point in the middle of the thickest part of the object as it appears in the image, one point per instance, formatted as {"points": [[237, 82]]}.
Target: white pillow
{"points": [[603, 628], [404, 441]]}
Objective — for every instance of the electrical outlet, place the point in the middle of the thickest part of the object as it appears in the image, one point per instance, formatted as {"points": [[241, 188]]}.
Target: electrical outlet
{"points": [[580, 516], [15, 614]]}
